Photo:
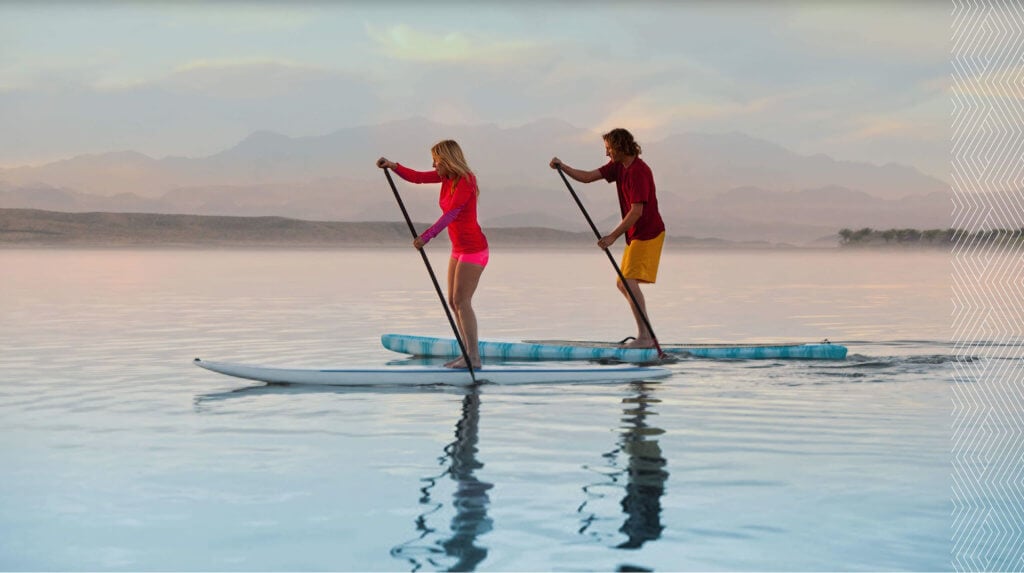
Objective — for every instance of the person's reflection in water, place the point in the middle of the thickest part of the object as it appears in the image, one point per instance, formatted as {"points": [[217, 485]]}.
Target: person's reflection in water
{"points": [[457, 551], [645, 473]]}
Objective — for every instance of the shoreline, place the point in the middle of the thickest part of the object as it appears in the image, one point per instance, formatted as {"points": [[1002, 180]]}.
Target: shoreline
{"points": [[39, 229]]}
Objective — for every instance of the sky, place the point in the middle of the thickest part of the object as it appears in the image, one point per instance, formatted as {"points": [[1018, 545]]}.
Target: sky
{"points": [[859, 81]]}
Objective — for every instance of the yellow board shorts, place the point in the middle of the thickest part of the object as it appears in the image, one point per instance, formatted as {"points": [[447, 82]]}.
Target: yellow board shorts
{"points": [[641, 258]]}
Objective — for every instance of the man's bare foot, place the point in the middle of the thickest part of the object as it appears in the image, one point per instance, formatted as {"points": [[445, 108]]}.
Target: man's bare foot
{"points": [[640, 343]]}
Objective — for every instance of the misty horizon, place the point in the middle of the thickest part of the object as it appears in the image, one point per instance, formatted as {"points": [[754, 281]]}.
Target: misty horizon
{"points": [[728, 186]]}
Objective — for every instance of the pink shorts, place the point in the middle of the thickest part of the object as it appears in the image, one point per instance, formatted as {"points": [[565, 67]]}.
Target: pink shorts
{"points": [[477, 258]]}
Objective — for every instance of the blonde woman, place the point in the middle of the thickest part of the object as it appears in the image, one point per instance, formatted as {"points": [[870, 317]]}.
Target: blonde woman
{"points": [[470, 254]]}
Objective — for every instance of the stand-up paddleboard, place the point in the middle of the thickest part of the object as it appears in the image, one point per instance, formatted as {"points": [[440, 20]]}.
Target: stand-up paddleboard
{"points": [[427, 375], [582, 350]]}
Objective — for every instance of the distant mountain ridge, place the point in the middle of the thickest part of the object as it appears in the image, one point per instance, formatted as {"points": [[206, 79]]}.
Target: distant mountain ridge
{"points": [[729, 186]]}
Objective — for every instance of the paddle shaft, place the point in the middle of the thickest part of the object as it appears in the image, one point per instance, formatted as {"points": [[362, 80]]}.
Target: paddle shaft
{"points": [[629, 291], [433, 277]]}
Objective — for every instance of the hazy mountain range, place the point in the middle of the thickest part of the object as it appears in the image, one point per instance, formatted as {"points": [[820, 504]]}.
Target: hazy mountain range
{"points": [[728, 186]]}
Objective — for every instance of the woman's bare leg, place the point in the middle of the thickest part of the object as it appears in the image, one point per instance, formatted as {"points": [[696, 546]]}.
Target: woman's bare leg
{"points": [[453, 264], [465, 279]]}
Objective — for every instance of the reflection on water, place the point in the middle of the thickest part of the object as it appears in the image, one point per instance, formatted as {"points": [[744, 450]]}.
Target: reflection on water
{"points": [[643, 472], [455, 549], [202, 402]]}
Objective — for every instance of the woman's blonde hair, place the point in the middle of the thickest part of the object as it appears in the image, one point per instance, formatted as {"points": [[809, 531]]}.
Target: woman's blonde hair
{"points": [[447, 153]]}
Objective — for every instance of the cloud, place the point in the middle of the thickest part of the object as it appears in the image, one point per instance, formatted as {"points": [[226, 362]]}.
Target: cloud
{"points": [[202, 108], [227, 18], [883, 32], [682, 107], [874, 128], [247, 79], [406, 43]]}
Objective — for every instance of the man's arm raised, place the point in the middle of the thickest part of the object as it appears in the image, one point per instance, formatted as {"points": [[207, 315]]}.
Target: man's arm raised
{"points": [[577, 174]]}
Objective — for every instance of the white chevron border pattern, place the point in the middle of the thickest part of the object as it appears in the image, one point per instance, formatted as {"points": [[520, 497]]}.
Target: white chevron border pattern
{"points": [[988, 286]]}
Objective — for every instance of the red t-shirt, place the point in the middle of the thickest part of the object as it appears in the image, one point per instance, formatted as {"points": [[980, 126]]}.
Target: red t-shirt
{"points": [[635, 184], [464, 231]]}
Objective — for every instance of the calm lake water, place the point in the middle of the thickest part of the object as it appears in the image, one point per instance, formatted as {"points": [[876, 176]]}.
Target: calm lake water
{"points": [[119, 454]]}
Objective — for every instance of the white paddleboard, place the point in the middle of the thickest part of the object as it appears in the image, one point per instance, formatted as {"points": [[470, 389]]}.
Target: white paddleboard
{"points": [[427, 375]]}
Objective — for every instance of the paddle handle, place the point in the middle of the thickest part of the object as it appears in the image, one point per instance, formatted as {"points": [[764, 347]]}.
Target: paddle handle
{"points": [[433, 277], [611, 258]]}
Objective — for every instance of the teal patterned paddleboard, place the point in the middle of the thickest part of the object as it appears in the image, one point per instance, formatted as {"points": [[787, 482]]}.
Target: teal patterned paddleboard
{"points": [[581, 350]]}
